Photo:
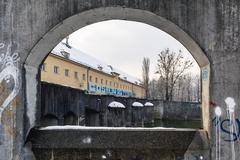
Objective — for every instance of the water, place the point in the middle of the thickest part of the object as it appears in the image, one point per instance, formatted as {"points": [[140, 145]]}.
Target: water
{"points": [[195, 124]]}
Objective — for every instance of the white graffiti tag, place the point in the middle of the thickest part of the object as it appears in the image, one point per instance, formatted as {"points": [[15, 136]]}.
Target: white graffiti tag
{"points": [[9, 70]]}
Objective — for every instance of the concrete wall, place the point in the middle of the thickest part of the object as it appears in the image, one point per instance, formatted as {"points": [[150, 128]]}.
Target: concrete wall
{"points": [[213, 25], [93, 110], [182, 111], [92, 143], [58, 101]]}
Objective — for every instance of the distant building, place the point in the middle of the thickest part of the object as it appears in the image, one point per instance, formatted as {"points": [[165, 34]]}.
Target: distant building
{"points": [[68, 66]]}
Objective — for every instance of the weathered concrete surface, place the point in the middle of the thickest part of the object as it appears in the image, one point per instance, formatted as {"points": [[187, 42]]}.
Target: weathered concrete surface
{"points": [[98, 154], [180, 110], [166, 141], [93, 110], [169, 139], [213, 25]]}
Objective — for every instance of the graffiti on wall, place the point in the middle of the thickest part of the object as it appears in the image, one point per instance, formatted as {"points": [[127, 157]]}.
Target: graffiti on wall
{"points": [[9, 72], [225, 124], [205, 74], [109, 91], [230, 125]]}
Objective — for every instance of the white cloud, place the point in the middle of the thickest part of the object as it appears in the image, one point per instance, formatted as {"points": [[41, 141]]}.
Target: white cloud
{"points": [[123, 44]]}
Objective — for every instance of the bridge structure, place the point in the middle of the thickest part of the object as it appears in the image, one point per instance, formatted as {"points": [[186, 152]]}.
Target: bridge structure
{"points": [[209, 29], [62, 105]]}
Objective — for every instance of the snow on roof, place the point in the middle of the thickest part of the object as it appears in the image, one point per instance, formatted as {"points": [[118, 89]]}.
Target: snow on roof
{"points": [[148, 104], [89, 61], [137, 104], [115, 104]]}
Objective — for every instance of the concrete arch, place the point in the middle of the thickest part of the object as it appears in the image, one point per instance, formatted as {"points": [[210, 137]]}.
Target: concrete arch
{"points": [[73, 23], [49, 120], [70, 118]]}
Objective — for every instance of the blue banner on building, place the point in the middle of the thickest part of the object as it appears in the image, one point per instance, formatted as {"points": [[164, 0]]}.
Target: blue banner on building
{"points": [[112, 91]]}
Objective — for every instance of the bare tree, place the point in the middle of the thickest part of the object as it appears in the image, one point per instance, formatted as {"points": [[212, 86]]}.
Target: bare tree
{"points": [[171, 67], [153, 89], [145, 75], [197, 88]]}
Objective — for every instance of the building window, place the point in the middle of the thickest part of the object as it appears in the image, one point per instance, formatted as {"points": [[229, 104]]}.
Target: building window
{"points": [[56, 69], [101, 81], [106, 82], [66, 72], [96, 80], [84, 77], [90, 78], [43, 67], [76, 75], [110, 83]]}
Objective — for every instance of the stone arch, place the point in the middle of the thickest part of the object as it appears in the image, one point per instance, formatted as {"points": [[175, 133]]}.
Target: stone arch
{"points": [[73, 23], [49, 120], [70, 118]]}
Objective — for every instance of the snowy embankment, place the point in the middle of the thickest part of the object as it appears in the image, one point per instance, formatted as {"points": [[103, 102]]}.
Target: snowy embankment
{"points": [[72, 127]]}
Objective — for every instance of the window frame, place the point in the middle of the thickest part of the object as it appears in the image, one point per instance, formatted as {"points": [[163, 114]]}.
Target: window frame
{"points": [[43, 67], [90, 78], [76, 75], [67, 72], [56, 69], [84, 77]]}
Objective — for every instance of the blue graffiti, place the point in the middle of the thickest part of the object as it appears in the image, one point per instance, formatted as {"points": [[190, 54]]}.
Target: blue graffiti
{"points": [[110, 91], [225, 128], [205, 74]]}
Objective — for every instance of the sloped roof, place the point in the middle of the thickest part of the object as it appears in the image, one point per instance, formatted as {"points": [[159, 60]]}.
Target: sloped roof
{"points": [[87, 60]]}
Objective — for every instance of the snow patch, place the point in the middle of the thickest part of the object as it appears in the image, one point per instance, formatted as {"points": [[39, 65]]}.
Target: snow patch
{"points": [[73, 127], [115, 104], [137, 104], [148, 104], [87, 140]]}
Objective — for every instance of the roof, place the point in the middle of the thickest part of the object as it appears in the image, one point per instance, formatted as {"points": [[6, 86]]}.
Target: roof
{"points": [[89, 61]]}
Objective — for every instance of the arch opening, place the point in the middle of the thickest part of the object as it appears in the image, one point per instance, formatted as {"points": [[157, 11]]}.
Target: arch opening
{"points": [[49, 120], [53, 37], [70, 119]]}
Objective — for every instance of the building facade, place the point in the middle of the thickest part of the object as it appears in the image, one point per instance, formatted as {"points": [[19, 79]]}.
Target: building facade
{"points": [[70, 67]]}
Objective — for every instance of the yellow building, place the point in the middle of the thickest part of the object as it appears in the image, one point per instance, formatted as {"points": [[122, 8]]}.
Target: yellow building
{"points": [[68, 66]]}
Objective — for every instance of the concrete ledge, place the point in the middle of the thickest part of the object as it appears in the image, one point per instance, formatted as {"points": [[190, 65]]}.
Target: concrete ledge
{"points": [[128, 138]]}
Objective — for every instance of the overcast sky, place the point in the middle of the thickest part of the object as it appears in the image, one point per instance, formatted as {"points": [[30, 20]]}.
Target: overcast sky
{"points": [[123, 44]]}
